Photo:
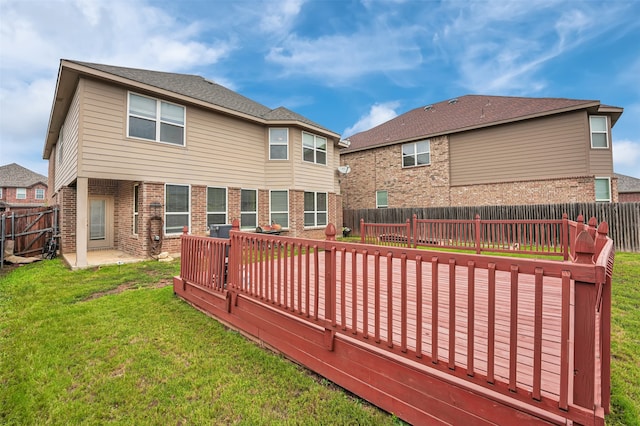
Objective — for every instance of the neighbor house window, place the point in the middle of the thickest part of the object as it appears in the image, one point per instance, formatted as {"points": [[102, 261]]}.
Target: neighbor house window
{"points": [[603, 189], [314, 148], [177, 210], [216, 206], [155, 120], [278, 144], [248, 208], [599, 132], [416, 153], [279, 206], [382, 199], [136, 203], [39, 194], [315, 208], [21, 193]]}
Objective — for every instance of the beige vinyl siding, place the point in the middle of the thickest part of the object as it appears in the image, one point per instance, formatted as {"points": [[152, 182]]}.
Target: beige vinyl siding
{"points": [[66, 170], [532, 149], [219, 150], [279, 173], [314, 177], [601, 159]]}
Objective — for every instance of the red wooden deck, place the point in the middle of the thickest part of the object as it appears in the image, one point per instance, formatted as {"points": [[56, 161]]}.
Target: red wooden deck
{"points": [[429, 336]]}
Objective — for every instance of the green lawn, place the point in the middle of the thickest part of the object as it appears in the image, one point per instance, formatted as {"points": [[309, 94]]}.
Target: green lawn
{"points": [[115, 345]]}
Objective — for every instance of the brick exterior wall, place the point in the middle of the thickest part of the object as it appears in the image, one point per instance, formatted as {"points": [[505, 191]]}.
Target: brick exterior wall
{"points": [[380, 169], [10, 195], [629, 197]]}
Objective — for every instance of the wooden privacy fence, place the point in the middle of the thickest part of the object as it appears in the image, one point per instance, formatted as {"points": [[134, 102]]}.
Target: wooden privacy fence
{"points": [[547, 237], [623, 218], [29, 229], [425, 335]]}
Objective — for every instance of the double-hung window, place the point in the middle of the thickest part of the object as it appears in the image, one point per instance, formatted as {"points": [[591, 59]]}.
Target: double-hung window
{"points": [[315, 209], [603, 189], [155, 120], [216, 206], [177, 208], [39, 194], [382, 199], [314, 148], [279, 208], [599, 131], [136, 204], [21, 193], [248, 208], [278, 144], [416, 153]]}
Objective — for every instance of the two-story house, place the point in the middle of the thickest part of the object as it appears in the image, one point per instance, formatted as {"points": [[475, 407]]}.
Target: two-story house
{"points": [[136, 155], [21, 188], [484, 150]]}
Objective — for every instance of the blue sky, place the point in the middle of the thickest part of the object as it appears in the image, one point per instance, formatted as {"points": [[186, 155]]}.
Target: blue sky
{"points": [[348, 65]]}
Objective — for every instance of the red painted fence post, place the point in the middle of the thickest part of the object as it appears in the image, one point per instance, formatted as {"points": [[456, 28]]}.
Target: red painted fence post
{"points": [[362, 231], [329, 286], [565, 236], [478, 228]]}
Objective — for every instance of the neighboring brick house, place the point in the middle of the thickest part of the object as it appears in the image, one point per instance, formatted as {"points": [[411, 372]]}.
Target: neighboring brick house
{"points": [[484, 150], [21, 188], [628, 188], [135, 155]]}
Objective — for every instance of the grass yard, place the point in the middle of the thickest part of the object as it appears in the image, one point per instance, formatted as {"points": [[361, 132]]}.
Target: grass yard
{"points": [[115, 345]]}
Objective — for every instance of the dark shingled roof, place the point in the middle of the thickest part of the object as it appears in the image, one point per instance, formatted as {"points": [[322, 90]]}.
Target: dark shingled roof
{"points": [[627, 183], [15, 176], [455, 115], [200, 88]]}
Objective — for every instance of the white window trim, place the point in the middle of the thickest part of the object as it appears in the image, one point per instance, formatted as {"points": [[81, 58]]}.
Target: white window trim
{"points": [[257, 208], [609, 186], [315, 150], [18, 193], [39, 191], [606, 131], [315, 210], [171, 213], [136, 212], [415, 155], [271, 143], [158, 120], [279, 211], [0, 192], [59, 145], [226, 204], [379, 206]]}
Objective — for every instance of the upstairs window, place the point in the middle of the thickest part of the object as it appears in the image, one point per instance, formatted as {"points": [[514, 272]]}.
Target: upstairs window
{"points": [[279, 206], [603, 189], [39, 194], [21, 193], [314, 148], [599, 132], [382, 199], [155, 120], [177, 211], [315, 209], [278, 144], [248, 208], [416, 153], [216, 206]]}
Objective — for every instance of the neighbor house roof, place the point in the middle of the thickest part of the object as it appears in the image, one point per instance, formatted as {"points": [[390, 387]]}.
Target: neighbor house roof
{"points": [[15, 176], [627, 183], [186, 88], [466, 113]]}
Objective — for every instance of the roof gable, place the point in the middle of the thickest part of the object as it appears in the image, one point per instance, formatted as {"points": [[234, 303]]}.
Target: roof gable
{"points": [[627, 183], [15, 176], [461, 114]]}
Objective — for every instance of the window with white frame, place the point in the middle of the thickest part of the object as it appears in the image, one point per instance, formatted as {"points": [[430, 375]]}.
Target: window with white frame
{"points": [[416, 153], [177, 208], [315, 209], [248, 208], [21, 193], [599, 132], [39, 194], [314, 148], [216, 206], [136, 204], [155, 120], [382, 199], [278, 144], [279, 208], [603, 189]]}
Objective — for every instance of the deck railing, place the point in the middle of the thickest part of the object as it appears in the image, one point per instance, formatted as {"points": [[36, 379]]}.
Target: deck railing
{"points": [[536, 331]]}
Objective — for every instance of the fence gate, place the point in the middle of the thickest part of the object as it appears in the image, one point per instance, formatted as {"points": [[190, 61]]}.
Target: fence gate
{"points": [[29, 229]]}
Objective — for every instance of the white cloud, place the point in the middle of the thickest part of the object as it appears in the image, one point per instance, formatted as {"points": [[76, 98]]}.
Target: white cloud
{"points": [[626, 157], [378, 114], [279, 16]]}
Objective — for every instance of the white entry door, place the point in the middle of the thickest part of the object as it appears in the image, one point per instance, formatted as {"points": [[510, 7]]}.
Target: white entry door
{"points": [[100, 222]]}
